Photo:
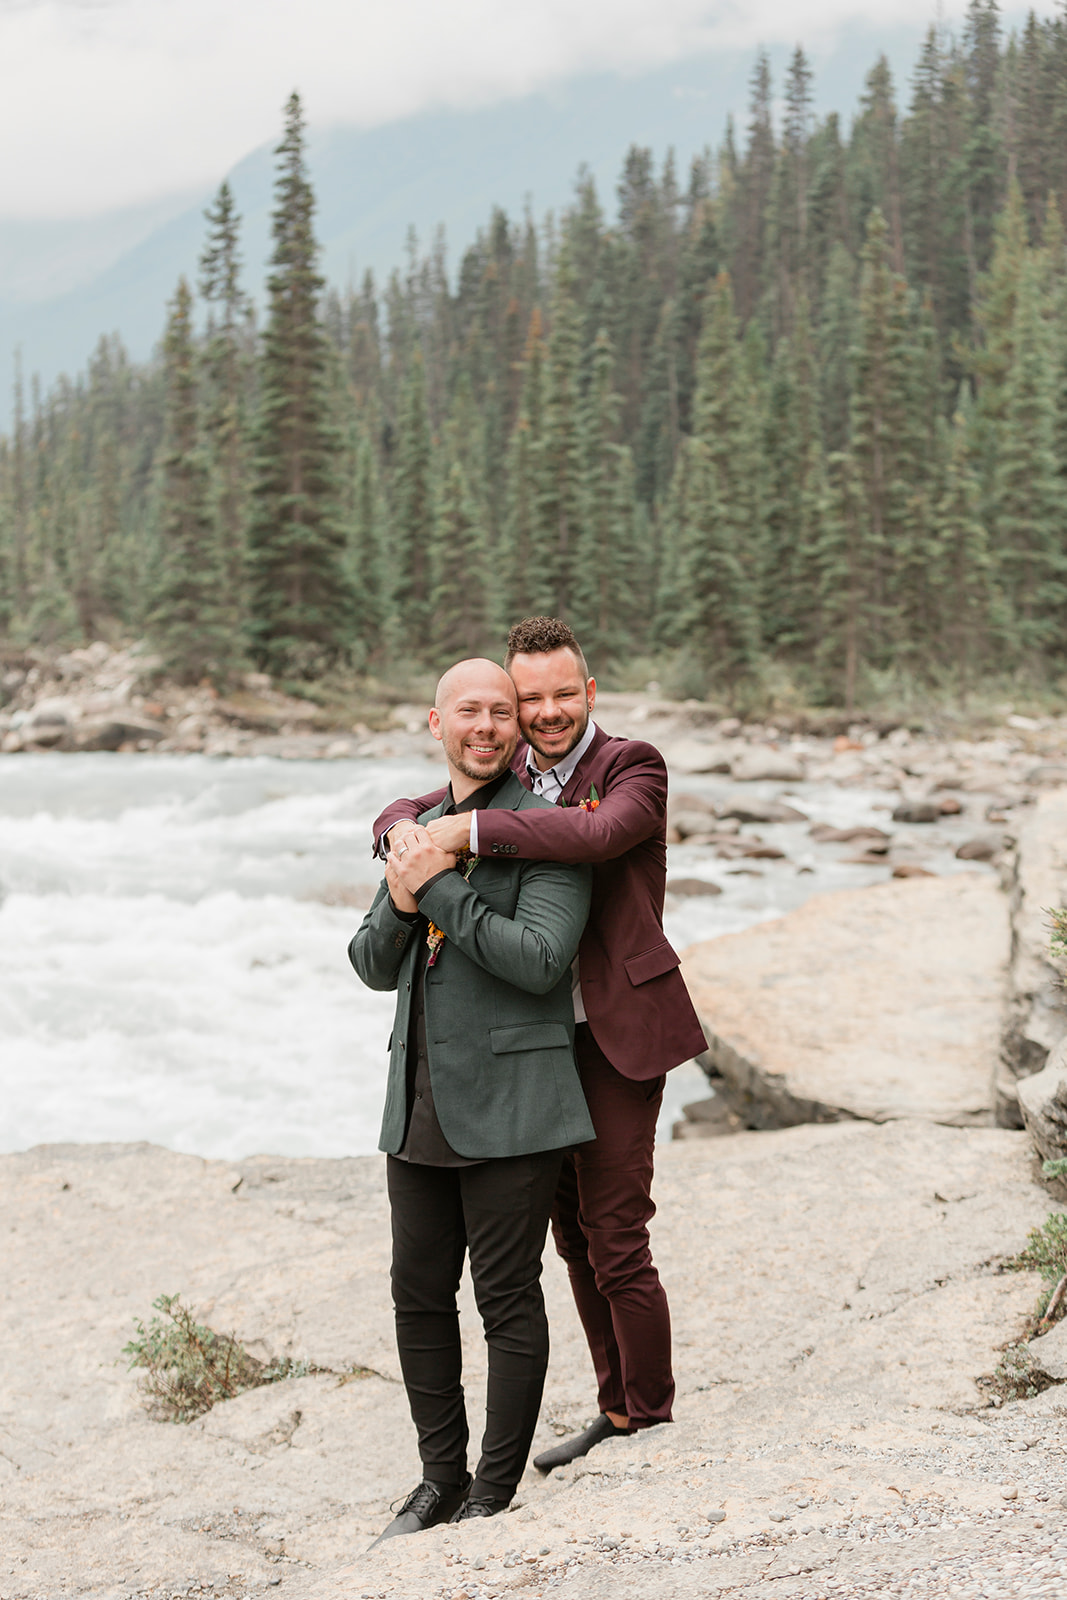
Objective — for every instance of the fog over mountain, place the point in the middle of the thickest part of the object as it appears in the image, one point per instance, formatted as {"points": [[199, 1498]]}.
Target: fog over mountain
{"points": [[64, 283]]}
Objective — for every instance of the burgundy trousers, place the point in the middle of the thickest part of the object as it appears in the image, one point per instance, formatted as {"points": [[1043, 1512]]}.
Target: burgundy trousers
{"points": [[600, 1224]]}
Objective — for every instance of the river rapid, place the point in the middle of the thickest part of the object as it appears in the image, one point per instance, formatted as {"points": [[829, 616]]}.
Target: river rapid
{"points": [[172, 969]]}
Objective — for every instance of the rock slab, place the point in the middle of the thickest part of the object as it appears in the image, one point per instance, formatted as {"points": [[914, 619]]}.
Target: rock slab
{"points": [[1037, 1013], [1043, 1103], [832, 1303], [877, 1003]]}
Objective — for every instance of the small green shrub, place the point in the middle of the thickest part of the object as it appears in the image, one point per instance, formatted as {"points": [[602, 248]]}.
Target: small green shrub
{"points": [[1046, 1252], [1015, 1377], [188, 1366], [1057, 917]]}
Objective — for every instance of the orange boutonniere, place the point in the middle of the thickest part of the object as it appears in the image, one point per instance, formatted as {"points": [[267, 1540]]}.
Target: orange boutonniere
{"points": [[435, 937], [591, 801]]}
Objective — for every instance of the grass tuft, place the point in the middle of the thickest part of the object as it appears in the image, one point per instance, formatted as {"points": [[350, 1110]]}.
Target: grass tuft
{"points": [[188, 1366]]}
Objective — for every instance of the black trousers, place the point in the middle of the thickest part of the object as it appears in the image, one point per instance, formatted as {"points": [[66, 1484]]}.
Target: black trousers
{"points": [[498, 1212]]}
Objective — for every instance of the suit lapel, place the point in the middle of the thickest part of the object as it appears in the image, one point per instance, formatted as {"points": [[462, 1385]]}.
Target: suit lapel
{"points": [[582, 776]]}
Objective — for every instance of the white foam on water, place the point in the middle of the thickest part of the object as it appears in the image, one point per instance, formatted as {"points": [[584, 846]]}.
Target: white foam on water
{"points": [[166, 972], [223, 1027]]}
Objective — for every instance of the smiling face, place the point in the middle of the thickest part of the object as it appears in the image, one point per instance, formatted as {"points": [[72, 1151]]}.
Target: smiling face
{"points": [[474, 718], [555, 702]]}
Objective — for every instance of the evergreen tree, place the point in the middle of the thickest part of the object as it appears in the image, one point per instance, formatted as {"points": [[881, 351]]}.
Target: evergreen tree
{"points": [[411, 520], [300, 599], [226, 381], [1029, 518], [366, 561], [608, 575], [191, 622], [461, 603], [560, 507], [965, 579]]}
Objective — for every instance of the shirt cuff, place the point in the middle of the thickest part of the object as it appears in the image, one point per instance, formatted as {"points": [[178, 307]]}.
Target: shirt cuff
{"points": [[403, 916], [421, 890], [474, 833]]}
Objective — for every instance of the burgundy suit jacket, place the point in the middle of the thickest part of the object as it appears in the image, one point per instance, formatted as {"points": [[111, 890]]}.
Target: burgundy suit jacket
{"points": [[637, 1004]]}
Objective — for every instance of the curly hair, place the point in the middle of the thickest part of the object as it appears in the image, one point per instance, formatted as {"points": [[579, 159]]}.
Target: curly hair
{"points": [[538, 636]]}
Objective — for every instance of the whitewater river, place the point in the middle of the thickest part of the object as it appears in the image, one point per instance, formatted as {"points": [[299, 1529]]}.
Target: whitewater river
{"points": [[169, 970]]}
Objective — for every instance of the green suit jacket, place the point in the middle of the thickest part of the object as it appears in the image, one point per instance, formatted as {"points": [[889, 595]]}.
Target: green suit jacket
{"points": [[499, 1013]]}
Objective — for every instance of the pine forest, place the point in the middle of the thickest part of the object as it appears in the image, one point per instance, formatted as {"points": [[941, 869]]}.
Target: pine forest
{"points": [[787, 426]]}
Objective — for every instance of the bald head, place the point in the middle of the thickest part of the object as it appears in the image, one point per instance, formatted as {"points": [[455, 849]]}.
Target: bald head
{"points": [[477, 673], [475, 716]]}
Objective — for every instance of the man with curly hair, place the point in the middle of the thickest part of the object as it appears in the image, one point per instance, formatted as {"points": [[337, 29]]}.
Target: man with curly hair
{"points": [[634, 1018]]}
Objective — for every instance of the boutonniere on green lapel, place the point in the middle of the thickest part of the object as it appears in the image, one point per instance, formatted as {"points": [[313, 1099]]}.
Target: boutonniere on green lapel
{"points": [[465, 863], [591, 801]]}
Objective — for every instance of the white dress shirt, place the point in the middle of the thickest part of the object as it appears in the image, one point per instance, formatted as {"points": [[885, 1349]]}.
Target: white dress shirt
{"points": [[551, 785]]}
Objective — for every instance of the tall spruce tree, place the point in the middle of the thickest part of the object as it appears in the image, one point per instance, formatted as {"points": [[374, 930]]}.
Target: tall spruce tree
{"points": [[609, 575], [411, 521], [1029, 519], [300, 601], [226, 376], [191, 621]]}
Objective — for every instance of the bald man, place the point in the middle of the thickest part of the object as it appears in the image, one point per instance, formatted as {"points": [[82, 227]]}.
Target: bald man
{"points": [[482, 1101]]}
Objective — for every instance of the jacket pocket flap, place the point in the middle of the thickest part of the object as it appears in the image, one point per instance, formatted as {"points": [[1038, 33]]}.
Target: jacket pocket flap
{"points": [[529, 1036], [651, 963]]}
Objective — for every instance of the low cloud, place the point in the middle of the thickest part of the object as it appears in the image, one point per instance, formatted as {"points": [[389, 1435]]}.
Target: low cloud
{"points": [[108, 104]]}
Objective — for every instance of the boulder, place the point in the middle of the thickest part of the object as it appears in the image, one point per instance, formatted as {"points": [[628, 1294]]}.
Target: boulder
{"points": [[753, 809], [917, 811], [706, 1119], [1048, 774], [690, 822], [109, 733], [694, 755], [689, 802], [1043, 1104], [1049, 1353], [911, 869], [759, 762], [691, 888], [1036, 1018], [878, 1003], [983, 848], [872, 839]]}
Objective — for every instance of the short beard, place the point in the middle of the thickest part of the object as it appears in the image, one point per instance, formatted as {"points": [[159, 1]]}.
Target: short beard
{"points": [[579, 734], [480, 774]]}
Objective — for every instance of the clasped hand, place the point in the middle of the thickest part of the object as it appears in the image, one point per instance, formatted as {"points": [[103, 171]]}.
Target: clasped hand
{"points": [[413, 860]]}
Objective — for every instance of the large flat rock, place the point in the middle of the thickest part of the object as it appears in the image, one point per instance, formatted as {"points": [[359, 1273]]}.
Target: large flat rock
{"points": [[1036, 1018], [834, 1295], [877, 1003]]}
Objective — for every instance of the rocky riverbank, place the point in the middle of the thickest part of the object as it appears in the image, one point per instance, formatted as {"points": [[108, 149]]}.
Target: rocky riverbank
{"points": [[837, 1293]]}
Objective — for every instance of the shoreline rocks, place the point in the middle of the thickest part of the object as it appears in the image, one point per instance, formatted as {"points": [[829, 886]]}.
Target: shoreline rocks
{"points": [[1036, 1020], [869, 1003]]}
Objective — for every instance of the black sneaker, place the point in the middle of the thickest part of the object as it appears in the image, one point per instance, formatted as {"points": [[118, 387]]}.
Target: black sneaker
{"points": [[479, 1508], [425, 1507]]}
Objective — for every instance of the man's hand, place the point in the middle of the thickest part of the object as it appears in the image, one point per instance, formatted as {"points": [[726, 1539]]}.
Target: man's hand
{"points": [[417, 859], [451, 833], [402, 898], [397, 832]]}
